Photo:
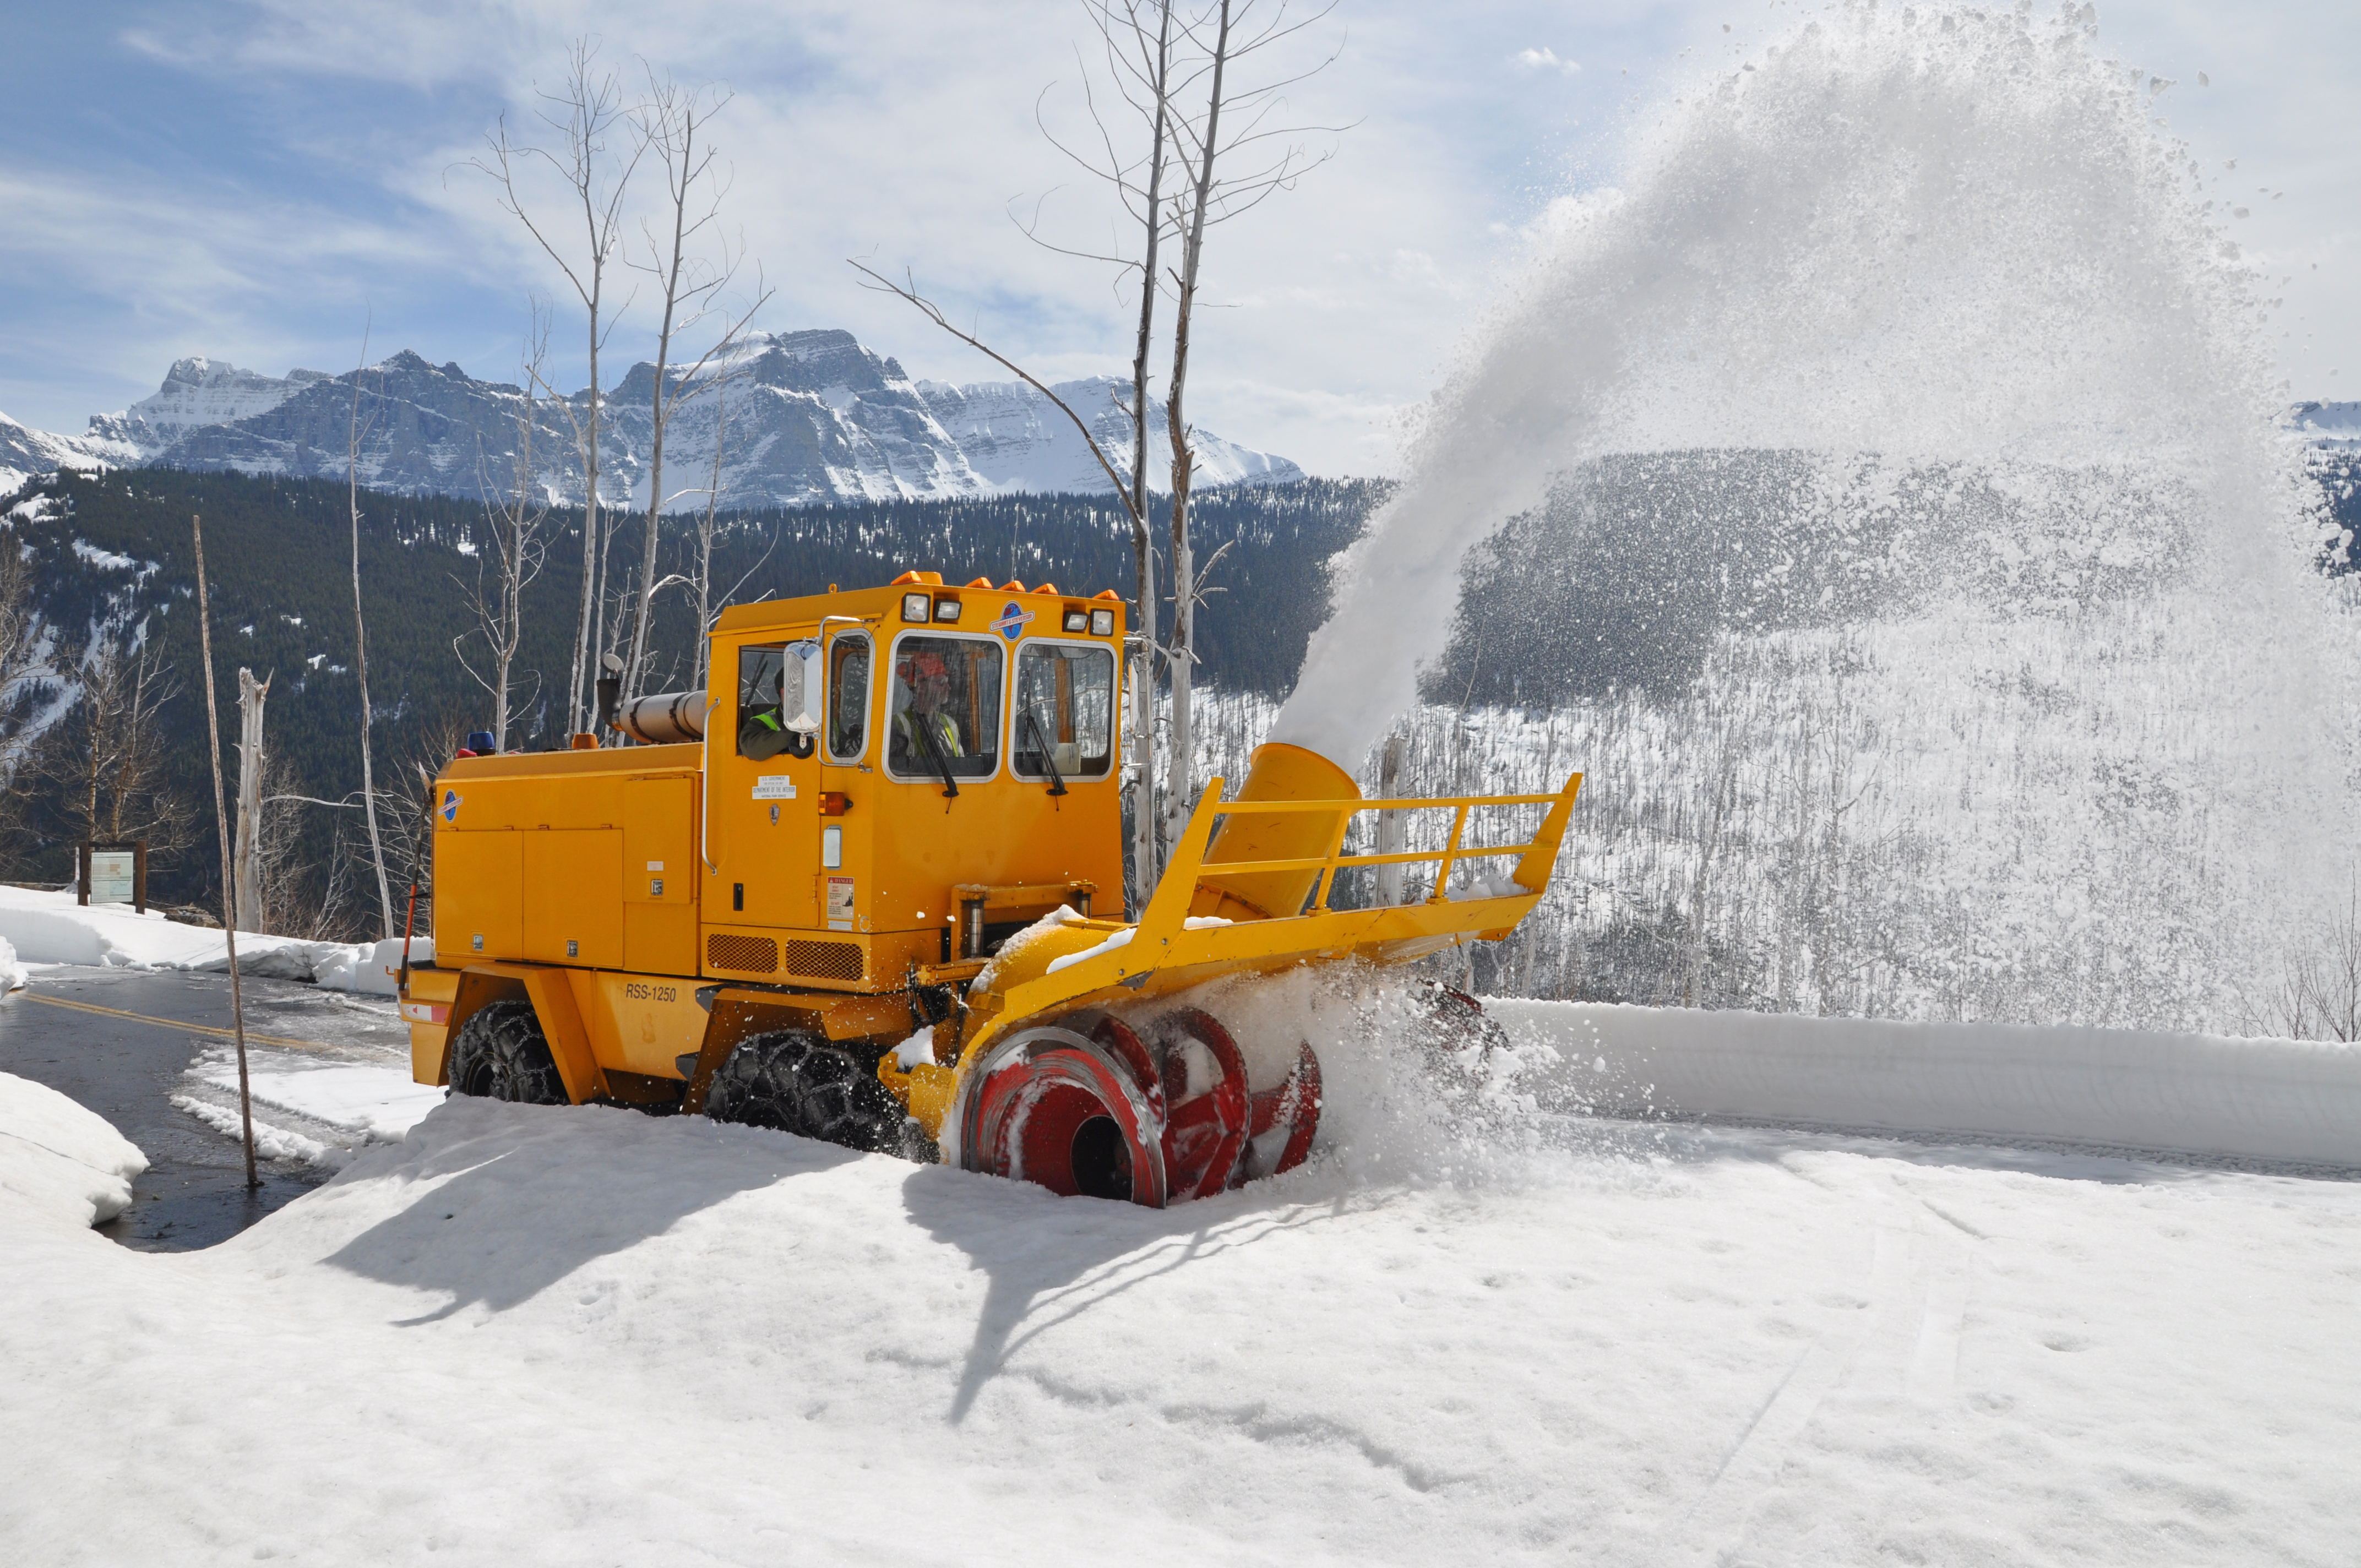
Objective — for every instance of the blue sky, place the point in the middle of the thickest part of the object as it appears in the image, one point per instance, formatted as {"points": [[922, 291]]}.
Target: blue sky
{"points": [[256, 183]]}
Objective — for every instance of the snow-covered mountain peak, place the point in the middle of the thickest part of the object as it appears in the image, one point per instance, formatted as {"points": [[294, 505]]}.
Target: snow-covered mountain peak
{"points": [[198, 391]]}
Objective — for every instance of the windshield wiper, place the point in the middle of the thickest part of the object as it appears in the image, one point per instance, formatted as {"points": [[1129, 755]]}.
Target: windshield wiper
{"points": [[1050, 762], [923, 726]]}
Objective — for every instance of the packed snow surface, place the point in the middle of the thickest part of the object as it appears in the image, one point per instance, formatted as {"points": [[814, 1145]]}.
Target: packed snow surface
{"points": [[533, 1335], [377, 1103], [60, 1165]]}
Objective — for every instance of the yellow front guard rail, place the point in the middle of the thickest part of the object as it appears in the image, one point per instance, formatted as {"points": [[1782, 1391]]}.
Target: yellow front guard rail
{"points": [[1089, 963]]}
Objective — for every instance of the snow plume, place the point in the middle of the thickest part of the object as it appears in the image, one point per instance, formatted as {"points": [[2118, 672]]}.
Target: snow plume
{"points": [[1942, 262]]}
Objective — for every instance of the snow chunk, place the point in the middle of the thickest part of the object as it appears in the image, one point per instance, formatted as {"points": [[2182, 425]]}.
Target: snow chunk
{"points": [[270, 1142], [918, 1049], [380, 1105], [1115, 939], [1061, 916], [1495, 884], [60, 1160]]}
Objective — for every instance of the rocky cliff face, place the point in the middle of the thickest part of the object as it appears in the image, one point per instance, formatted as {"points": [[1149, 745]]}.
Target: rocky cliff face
{"points": [[801, 418]]}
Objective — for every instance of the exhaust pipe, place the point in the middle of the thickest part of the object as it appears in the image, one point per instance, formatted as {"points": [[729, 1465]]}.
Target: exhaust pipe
{"points": [[609, 690], [667, 720]]}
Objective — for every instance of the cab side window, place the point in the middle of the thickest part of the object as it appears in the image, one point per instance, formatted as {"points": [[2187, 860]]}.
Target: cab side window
{"points": [[848, 697], [765, 704], [1064, 712]]}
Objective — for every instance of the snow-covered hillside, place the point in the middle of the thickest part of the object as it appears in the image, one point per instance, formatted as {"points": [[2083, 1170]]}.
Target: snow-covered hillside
{"points": [[25, 451], [803, 418], [2336, 426]]}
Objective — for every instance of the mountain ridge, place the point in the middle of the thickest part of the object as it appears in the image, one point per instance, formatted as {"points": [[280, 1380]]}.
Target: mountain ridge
{"points": [[800, 418]]}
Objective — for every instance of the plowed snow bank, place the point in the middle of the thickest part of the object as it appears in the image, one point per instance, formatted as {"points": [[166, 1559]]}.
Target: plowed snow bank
{"points": [[52, 928], [61, 1162], [2281, 1100]]}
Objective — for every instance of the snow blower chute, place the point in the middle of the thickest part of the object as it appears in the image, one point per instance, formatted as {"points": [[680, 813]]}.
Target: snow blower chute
{"points": [[848, 892]]}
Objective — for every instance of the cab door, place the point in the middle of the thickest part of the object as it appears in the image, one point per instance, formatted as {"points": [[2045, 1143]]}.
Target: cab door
{"points": [[765, 785]]}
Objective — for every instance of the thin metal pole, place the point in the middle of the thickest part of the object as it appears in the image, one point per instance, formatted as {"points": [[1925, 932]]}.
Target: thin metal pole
{"points": [[221, 822]]}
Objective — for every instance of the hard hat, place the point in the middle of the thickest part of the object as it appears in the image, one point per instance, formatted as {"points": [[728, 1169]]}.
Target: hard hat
{"points": [[923, 667]]}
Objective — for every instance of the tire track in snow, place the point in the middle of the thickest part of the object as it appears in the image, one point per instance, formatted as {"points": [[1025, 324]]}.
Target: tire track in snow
{"points": [[1907, 1339]]}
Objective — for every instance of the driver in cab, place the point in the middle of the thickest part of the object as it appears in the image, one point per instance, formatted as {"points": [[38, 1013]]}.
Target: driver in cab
{"points": [[926, 717]]}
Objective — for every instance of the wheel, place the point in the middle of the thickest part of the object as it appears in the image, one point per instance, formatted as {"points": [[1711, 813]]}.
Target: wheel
{"points": [[500, 1054], [1056, 1108], [796, 1082]]}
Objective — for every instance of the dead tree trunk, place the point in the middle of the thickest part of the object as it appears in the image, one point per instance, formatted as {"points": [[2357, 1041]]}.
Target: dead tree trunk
{"points": [[360, 658], [251, 695]]}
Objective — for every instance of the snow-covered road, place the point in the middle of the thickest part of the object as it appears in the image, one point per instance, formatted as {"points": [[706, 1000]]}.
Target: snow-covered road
{"points": [[527, 1336]]}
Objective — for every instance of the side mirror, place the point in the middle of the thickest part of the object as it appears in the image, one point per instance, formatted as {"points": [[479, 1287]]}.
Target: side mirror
{"points": [[799, 690]]}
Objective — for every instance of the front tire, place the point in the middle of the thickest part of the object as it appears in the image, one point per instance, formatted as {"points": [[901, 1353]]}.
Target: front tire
{"points": [[501, 1054]]}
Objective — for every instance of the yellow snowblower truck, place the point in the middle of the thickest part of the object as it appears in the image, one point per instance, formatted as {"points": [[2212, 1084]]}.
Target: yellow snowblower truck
{"points": [[867, 887]]}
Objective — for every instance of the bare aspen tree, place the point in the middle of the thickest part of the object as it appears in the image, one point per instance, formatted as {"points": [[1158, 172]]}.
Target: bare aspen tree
{"points": [[1139, 60], [1174, 70], [583, 112], [1225, 37], [108, 758], [705, 545], [221, 829], [517, 549], [24, 673], [355, 430], [705, 607], [688, 283]]}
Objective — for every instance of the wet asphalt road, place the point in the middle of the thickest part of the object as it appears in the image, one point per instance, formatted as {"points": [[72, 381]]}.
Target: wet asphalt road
{"points": [[193, 1192]]}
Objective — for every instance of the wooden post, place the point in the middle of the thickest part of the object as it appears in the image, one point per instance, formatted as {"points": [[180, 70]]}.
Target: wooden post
{"points": [[251, 695], [221, 825]]}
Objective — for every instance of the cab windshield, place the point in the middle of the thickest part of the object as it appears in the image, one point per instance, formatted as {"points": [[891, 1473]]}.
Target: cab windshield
{"points": [[945, 712]]}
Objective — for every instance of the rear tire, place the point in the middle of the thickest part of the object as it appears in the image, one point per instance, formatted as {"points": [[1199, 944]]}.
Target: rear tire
{"points": [[796, 1082], [501, 1054]]}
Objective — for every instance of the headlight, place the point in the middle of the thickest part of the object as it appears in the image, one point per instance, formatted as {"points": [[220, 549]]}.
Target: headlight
{"points": [[946, 609], [1102, 622], [914, 606], [1077, 619]]}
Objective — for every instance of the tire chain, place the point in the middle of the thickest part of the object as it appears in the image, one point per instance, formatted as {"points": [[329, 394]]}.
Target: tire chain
{"points": [[796, 1082]]}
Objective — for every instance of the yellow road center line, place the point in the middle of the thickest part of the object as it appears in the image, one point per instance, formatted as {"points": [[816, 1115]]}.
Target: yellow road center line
{"points": [[215, 1030]]}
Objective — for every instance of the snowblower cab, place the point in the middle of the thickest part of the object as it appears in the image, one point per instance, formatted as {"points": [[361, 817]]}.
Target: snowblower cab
{"points": [[867, 886]]}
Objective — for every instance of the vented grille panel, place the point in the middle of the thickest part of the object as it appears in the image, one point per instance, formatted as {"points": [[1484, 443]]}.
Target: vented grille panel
{"points": [[825, 961], [752, 954]]}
